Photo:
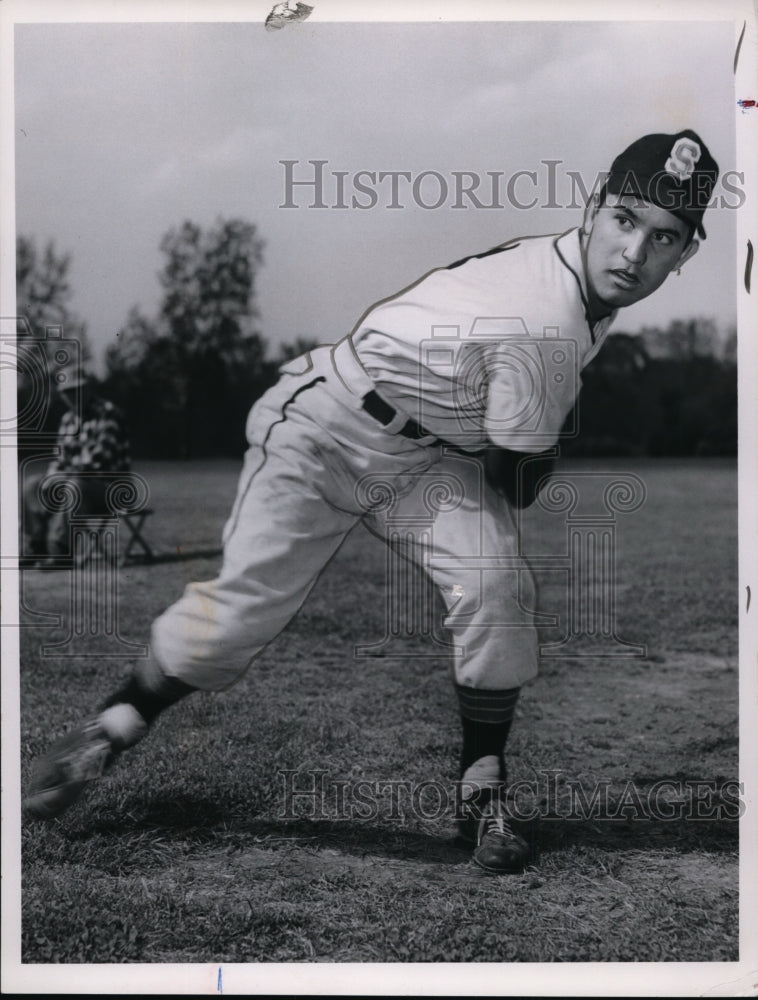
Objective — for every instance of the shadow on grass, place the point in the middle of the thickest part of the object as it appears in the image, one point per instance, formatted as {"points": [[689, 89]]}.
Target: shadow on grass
{"points": [[177, 555], [66, 562], [205, 821], [681, 835]]}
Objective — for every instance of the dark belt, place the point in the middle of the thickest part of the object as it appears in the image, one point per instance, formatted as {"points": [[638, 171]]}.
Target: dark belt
{"points": [[381, 410]]}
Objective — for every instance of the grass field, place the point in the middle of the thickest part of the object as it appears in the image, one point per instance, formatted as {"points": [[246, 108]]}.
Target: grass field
{"points": [[190, 850]]}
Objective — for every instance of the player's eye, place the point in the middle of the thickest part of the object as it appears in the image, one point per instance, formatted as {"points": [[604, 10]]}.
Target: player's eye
{"points": [[664, 239], [624, 221]]}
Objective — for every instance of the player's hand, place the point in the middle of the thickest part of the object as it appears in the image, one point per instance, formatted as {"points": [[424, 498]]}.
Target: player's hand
{"points": [[516, 475]]}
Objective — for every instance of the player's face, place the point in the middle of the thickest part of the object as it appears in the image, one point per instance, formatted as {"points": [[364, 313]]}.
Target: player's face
{"points": [[632, 247]]}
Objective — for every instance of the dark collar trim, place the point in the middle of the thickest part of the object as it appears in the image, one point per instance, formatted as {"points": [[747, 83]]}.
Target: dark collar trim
{"points": [[585, 303]]}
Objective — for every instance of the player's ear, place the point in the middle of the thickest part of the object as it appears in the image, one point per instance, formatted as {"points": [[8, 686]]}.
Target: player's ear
{"points": [[689, 251], [590, 211]]}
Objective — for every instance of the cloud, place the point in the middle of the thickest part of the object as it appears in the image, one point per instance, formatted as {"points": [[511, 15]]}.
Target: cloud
{"points": [[160, 122], [162, 175], [240, 146]]}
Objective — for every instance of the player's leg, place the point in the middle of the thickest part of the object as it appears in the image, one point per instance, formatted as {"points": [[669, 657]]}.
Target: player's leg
{"points": [[490, 616], [284, 527], [33, 514], [470, 549], [89, 490]]}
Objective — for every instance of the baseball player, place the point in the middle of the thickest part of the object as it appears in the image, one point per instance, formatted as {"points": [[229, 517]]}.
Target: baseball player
{"points": [[434, 405]]}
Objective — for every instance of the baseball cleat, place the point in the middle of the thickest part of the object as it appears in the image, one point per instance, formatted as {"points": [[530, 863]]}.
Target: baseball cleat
{"points": [[79, 758], [498, 848]]}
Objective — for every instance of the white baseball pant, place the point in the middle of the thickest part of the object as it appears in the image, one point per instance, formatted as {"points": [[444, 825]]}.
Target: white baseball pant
{"points": [[317, 464]]}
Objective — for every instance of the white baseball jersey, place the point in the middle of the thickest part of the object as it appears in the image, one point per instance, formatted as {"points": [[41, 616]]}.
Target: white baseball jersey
{"points": [[489, 349]]}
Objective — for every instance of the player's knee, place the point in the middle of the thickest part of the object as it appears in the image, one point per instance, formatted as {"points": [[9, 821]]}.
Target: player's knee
{"points": [[491, 599]]}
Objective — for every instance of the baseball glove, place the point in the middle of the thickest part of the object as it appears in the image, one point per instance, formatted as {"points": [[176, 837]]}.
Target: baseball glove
{"points": [[516, 475]]}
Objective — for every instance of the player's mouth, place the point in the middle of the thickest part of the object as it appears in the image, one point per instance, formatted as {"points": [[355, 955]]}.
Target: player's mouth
{"points": [[625, 279]]}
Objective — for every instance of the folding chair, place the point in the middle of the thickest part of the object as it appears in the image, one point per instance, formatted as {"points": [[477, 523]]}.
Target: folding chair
{"points": [[134, 521]]}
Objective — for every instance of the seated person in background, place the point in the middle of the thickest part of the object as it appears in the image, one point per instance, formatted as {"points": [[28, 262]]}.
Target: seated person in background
{"points": [[91, 443]]}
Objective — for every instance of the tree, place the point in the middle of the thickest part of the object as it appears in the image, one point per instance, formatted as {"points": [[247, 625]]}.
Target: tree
{"points": [[613, 411], [682, 340], [146, 378], [43, 293], [132, 343], [209, 314], [660, 393], [188, 377], [209, 287]]}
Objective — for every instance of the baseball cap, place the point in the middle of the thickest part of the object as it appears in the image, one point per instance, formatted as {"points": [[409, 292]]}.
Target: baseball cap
{"points": [[675, 172]]}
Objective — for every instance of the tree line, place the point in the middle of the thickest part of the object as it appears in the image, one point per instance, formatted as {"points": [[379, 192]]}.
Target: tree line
{"points": [[636, 402], [185, 377]]}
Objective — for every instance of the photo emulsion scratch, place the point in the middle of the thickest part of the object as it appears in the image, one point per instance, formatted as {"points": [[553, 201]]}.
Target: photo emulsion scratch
{"points": [[283, 14]]}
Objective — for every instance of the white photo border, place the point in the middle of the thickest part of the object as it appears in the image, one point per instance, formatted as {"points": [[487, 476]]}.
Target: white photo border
{"points": [[706, 979]]}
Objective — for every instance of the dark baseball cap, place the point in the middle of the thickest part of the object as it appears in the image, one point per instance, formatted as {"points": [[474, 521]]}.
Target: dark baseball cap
{"points": [[675, 172]]}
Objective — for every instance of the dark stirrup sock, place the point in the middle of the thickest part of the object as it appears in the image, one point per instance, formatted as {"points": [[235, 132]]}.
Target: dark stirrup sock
{"points": [[149, 703], [486, 717]]}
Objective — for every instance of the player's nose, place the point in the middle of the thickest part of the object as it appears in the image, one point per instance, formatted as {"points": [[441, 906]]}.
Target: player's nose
{"points": [[635, 251]]}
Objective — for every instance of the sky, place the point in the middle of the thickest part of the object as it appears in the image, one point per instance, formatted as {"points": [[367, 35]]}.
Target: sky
{"points": [[123, 131]]}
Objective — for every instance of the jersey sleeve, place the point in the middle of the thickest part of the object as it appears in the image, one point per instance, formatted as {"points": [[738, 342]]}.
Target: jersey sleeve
{"points": [[533, 384]]}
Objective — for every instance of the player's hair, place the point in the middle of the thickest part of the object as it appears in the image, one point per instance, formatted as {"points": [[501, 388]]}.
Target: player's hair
{"points": [[690, 227]]}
